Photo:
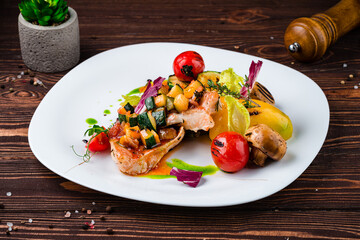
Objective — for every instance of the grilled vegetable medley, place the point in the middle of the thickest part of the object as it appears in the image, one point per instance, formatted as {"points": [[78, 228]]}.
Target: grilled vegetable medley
{"points": [[238, 114]]}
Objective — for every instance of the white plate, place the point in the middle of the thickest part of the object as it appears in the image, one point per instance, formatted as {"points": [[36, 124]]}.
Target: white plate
{"points": [[94, 85]]}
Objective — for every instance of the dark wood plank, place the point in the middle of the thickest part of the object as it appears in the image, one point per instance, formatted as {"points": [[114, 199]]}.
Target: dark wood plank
{"points": [[323, 203]]}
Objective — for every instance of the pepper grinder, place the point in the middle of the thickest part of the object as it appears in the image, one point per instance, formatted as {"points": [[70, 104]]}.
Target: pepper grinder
{"points": [[307, 39]]}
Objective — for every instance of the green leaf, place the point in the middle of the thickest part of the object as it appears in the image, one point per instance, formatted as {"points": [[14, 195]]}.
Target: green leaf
{"points": [[28, 15], [58, 18], [45, 18], [37, 13], [231, 80], [133, 100], [47, 12], [42, 23]]}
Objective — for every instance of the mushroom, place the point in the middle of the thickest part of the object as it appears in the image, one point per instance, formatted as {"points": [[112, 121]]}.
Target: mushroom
{"points": [[261, 93], [264, 143]]}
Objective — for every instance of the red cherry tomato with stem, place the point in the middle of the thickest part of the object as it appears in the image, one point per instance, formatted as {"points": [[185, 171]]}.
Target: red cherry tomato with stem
{"points": [[188, 65], [230, 151], [98, 143]]}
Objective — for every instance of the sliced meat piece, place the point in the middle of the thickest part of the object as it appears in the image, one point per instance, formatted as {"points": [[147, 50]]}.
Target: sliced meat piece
{"points": [[210, 101], [141, 160], [193, 119]]}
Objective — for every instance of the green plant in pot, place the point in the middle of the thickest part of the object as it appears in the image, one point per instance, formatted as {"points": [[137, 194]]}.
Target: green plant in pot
{"points": [[49, 35], [45, 13]]}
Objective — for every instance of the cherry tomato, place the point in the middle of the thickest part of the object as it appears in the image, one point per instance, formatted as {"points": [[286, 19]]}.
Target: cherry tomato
{"points": [[99, 143], [230, 151], [188, 65]]}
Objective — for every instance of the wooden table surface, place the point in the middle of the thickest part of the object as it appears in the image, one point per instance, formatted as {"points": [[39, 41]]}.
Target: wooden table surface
{"points": [[323, 203]]}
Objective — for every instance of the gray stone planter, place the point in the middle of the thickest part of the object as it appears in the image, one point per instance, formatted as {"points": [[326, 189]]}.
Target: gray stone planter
{"points": [[50, 48]]}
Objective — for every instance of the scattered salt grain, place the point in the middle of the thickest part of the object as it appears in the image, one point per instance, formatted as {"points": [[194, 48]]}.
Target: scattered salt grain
{"points": [[13, 78], [22, 73], [356, 87], [67, 214], [316, 190], [9, 224], [342, 82], [76, 211], [92, 222], [30, 220], [93, 203], [272, 38], [39, 82], [8, 194], [345, 65], [18, 76]]}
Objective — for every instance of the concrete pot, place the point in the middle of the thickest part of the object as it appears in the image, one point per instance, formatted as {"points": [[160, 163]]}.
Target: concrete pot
{"points": [[50, 48]]}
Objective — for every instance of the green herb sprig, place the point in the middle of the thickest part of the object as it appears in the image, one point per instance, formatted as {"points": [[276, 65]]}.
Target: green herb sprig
{"points": [[93, 132], [224, 90]]}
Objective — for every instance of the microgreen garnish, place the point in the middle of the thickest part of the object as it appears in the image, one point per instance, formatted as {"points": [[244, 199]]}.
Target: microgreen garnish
{"points": [[95, 129], [93, 132], [224, 90]]}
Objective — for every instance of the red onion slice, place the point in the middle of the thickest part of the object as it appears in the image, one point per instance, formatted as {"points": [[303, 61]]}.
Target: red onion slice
{"points": [[190, 178]]}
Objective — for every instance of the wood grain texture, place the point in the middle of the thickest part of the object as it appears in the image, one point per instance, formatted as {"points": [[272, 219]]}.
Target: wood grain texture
{"points": [[323, 203]]}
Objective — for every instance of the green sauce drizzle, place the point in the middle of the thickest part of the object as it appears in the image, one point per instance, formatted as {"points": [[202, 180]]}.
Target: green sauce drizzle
{"points": [[206, 170], [107, 111], [91, 121]]}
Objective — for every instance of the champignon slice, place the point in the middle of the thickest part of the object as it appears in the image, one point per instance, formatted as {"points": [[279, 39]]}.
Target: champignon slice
{"points": [[258, 157], [265, 141], [261, 93]]}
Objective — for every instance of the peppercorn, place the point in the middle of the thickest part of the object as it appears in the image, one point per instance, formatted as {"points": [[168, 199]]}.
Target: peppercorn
{"points": [[109, 231], [85, 226], [109, 209]]}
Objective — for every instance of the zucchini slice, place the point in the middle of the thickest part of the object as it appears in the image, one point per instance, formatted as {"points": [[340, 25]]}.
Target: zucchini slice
{"points": [[156, 136], [169, 103], [173, 80], [146, 120], [132, 119], [148, 138], [208, 75], [150, 103], [176, 90], [152, 121], [160, 101], [160, 117], [128, 107], [122, 118]]}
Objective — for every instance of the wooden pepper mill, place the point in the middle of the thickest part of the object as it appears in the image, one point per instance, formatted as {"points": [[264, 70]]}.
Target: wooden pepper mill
{"points": [[307, 39]]}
